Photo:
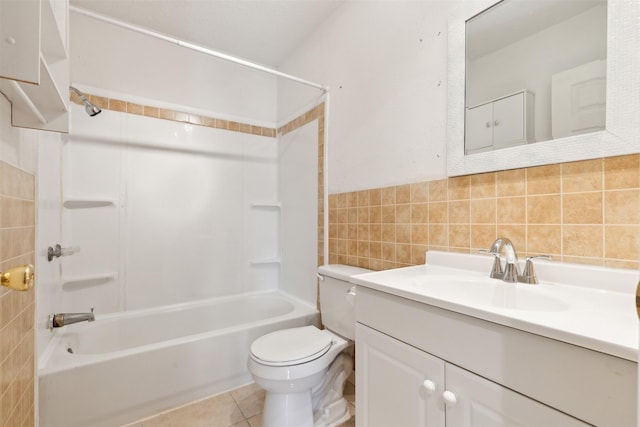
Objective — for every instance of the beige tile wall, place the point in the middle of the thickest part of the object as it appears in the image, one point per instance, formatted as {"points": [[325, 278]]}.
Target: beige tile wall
{"points": [[586, 212], [17, 242]]}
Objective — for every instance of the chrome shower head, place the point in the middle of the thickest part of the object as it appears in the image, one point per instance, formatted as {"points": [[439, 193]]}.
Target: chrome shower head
{"points": [[90, 108]]}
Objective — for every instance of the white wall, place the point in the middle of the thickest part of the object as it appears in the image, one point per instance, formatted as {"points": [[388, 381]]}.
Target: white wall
{"points": [[299, 200], [125, 62], [48, 231], [18, 147], [386, 65], [180, 228]]}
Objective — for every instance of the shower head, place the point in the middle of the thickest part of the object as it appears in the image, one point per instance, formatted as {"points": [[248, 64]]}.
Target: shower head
{"points": [[90, 108]]}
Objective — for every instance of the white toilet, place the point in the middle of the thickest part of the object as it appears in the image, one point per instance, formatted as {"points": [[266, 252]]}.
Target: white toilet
{"points": [[303, 370]]}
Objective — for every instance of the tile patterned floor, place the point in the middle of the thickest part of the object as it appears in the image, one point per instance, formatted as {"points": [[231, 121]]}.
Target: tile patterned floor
{"points": [[241, 407]]}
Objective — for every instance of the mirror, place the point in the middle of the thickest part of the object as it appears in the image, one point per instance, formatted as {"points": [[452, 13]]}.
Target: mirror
{"points": [[487, 33], [535, 71]]}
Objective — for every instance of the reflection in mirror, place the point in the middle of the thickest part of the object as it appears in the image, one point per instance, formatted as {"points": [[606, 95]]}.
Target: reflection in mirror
{"points": [[535, 71]]}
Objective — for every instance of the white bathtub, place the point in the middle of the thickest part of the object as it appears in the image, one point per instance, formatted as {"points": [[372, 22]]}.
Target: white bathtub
{"points": [[124, 367]]}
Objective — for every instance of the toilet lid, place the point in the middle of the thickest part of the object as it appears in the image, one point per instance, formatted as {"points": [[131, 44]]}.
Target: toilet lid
{"points": [[291, 346]]}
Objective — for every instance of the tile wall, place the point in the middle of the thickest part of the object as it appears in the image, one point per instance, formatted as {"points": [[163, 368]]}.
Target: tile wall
{"points": [[17, 240], [585, 212], [178, 116]]}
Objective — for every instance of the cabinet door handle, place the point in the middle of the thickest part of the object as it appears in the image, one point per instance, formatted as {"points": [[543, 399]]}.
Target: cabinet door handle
{"points": [[429, 387], [488, 124], [496, 122], [450, 399]]}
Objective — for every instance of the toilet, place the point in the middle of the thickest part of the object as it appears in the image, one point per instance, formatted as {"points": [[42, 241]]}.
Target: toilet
{"points": [[303, 370]]}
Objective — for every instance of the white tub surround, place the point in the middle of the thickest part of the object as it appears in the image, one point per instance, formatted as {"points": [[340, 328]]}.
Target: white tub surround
{"points": [[124, 367]]}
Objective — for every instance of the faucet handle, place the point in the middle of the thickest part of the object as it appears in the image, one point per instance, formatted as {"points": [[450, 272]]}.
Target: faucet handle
{"points": [[529, 275], [496, 269]]}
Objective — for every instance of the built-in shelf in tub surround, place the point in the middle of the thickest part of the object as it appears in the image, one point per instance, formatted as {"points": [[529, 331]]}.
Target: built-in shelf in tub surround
{"points": [[77, 203], [266, 205], [263, 261], [77, 282]]}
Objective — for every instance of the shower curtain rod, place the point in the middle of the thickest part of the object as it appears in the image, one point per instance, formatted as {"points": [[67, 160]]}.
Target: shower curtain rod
{"points": [[195, 47]]}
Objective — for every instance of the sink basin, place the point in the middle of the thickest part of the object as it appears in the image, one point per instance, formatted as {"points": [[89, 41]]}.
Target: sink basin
{"points": [[490, 293]]}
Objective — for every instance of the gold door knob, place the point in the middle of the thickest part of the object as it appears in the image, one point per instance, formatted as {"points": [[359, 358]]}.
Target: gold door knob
{"points": [[18, 278]]}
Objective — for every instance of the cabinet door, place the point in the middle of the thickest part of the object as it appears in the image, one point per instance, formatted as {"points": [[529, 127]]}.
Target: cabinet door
{"points": [[508, 121], [479, 129], [20, 40], [396, 384], [480, 402]]}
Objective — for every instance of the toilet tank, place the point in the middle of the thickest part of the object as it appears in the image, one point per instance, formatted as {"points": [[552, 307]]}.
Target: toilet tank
{"points": [[336, 307]]}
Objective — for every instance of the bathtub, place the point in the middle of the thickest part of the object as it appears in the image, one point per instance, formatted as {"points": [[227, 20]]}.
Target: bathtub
{"points": [[131, 365]]}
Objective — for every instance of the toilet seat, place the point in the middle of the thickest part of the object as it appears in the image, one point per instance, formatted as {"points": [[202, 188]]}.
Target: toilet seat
{"points": [[291, 346]]}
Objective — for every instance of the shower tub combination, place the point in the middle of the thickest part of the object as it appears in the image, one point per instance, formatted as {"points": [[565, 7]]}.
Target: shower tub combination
{"points": [[126, 366]]}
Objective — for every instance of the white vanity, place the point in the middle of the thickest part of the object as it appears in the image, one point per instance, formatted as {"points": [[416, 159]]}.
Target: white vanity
{"points": [[443, 344]]}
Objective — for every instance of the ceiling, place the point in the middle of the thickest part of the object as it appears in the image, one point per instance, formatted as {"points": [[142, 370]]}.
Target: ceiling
{"points": [[261, 31]]}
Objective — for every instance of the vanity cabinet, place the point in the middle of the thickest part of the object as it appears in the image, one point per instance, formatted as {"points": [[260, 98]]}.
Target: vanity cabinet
{"points": [[397, 385], [401, 385], [500, 123], [420, 365], [34, 64]]}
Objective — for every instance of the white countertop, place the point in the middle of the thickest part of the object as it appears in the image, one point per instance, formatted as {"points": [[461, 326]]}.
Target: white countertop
{"points": [[581, 312]]}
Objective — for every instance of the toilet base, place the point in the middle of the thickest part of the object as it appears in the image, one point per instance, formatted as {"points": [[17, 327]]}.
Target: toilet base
{"points": [[322, 406], [333, 415], [330, 408], [287, 410]]}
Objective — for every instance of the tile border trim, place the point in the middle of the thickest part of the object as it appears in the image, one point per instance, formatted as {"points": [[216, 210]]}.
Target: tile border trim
{"points": [[174, 115]]}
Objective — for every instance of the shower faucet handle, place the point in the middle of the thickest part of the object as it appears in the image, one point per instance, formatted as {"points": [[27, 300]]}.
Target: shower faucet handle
{"points": [[58, 251]]}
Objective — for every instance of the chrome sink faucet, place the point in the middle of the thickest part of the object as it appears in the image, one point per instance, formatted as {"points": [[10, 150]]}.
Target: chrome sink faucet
{"points": [[59, 320], [511, 272]]}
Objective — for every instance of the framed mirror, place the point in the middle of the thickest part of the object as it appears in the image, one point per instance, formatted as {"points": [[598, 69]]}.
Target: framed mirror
{"points": [[476, 89]]}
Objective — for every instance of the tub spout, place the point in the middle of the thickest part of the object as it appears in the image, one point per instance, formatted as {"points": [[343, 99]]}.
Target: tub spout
{"points": [[59, 320]]}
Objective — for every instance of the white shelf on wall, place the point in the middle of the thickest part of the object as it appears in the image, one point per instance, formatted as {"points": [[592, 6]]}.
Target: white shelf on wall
{"points": [[265, 261], [53, 22], [73, 203], [77, 282], [35, 72], [40, 106]]}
